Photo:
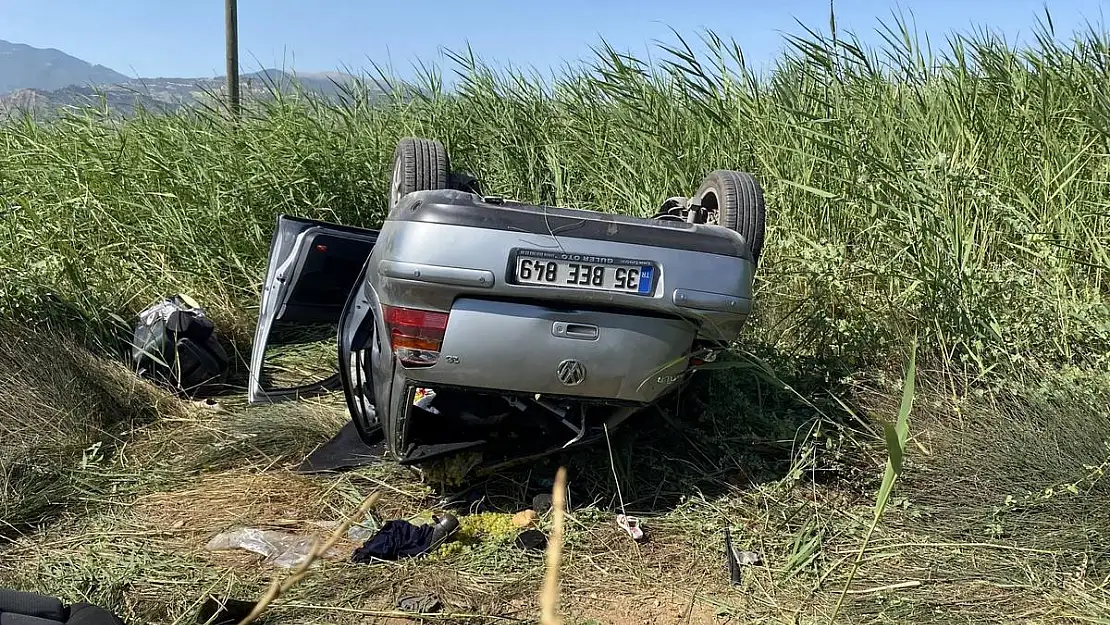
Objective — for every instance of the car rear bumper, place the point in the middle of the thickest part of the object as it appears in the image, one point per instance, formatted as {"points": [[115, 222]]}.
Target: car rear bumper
{"points": [[590, 354]]}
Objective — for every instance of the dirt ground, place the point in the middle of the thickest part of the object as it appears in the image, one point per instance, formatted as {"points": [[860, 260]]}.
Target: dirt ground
{"points": [[185, 520]]}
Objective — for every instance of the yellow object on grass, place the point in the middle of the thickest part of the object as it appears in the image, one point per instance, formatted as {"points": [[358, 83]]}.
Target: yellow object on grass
{"points": [[476, 529]]}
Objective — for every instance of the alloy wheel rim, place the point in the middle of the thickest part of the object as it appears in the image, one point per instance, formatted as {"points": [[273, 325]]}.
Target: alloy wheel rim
{"points": [[395, 187]]}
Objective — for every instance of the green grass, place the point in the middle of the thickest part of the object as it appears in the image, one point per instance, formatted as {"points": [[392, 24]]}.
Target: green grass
{"points": [[955, 200]]}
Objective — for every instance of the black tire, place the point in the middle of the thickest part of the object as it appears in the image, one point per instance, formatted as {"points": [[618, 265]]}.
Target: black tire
{"points": [[418, 165], [734, 200]]}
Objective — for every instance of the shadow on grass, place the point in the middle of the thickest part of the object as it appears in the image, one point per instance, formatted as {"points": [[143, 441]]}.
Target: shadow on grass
{"points": [[296, 355], [107, 331], [299, 353], [728, 431], [731, 430]]}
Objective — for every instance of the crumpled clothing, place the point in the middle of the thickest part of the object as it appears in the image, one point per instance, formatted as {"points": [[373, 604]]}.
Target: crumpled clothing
{"points": [[396, 539]]}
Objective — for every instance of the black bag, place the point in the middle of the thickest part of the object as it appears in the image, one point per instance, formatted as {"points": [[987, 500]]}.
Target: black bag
{"points": [[175, 345]]}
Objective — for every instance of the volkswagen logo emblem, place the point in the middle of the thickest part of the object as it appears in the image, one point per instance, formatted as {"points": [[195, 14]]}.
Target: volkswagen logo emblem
{"points": [[571, 372]]}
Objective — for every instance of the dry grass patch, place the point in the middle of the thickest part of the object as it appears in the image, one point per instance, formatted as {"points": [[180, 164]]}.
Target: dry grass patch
{"points": [[219, 502]]}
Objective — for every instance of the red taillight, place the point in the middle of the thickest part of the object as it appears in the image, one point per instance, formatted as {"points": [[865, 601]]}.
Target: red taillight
{"points": [[415, 335]]}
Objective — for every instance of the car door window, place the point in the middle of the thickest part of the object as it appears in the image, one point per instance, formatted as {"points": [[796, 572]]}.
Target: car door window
{"points": [[310, 272]]}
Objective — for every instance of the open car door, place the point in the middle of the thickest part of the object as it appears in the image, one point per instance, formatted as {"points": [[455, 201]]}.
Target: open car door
{"points": [[311, 270]]}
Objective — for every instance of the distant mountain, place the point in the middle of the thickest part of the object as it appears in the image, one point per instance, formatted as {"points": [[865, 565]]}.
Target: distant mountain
{"points": [[25, 67], [43, 81]]}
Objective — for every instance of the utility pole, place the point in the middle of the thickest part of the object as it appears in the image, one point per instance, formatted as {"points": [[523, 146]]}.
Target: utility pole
{"points": [[232, 14]]}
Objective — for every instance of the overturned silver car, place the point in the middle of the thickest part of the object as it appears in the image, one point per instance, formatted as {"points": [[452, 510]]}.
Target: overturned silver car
{"points": [[534, 327]]}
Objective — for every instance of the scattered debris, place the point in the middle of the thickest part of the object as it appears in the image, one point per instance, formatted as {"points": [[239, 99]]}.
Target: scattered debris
{"points": [[631, 525], [450, 470], [345, 450], [423, 603], [365, 529], [401, 539], [736, 559], [489, 528], [748, 558], [525, 518], [532, 540], [279, 548], [280, 586], [423, 399]]}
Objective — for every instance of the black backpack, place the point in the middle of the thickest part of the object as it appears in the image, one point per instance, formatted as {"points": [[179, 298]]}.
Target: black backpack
{"points": [[175, 345]]}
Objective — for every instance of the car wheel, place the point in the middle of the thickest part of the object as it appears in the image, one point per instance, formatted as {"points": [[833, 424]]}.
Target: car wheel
{"points": [[734, 200], [418, 165]]}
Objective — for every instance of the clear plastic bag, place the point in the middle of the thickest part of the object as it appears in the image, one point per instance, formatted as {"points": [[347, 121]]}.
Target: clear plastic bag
{"points": [[364, 530], [278, 548]]}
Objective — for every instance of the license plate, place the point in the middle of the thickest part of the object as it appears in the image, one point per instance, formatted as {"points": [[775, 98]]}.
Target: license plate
{"points": [[577, 271]]}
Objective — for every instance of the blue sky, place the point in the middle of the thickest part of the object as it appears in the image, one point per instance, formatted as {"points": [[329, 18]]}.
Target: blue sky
{"points": [[162, 38]]}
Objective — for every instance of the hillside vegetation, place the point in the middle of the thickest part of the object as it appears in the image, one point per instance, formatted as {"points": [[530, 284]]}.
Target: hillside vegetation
{"points": [[26, 67], [958, 200], [156, 96]]}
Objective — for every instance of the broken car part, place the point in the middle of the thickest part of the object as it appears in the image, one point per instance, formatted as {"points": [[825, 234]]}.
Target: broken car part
{"points": [[735, 559]]}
